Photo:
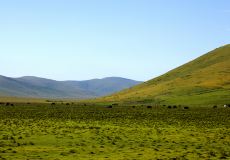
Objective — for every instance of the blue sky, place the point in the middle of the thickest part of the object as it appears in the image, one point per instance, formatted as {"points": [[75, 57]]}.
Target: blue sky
{"points": [[86, 39]]}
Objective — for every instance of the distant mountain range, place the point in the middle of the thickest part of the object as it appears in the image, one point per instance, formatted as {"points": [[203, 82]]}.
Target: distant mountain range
{"points": [[205, 80], [36, 87]]}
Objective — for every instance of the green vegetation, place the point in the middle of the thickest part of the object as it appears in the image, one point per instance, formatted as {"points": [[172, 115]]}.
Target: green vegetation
{"points": [[205, 80], [74, 131], [179, 115]]}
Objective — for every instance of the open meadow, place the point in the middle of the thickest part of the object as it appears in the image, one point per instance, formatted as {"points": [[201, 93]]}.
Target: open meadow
{"points": [[114, 80], [74, 131]]}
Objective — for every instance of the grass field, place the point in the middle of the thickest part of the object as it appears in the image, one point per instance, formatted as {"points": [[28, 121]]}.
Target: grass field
{"points": [[43, 131]]}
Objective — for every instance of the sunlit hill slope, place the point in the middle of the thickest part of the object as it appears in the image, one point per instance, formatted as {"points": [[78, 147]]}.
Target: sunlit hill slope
{"points": [[205, 80]]}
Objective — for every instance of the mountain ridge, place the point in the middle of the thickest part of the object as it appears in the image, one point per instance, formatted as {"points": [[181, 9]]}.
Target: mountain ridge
{"points": [[37, 87]]}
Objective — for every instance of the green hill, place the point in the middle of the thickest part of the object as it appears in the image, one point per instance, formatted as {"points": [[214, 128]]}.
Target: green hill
{"points": [[205, 80]]}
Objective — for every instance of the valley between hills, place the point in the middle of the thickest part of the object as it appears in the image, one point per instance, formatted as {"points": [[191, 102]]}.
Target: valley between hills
{"points": [[182, 115]]}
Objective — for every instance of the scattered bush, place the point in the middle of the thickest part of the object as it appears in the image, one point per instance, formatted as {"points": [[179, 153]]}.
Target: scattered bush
{"points": [[72, 151], [64, 154], [110, 106], [31, 143]]}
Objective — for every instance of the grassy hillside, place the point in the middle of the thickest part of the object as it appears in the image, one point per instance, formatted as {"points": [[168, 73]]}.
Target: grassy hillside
{"points": [[205, 80]]}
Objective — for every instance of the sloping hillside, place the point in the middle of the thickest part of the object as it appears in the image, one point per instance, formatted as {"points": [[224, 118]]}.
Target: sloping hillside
{"points": [[45, 88], [205, 80]]}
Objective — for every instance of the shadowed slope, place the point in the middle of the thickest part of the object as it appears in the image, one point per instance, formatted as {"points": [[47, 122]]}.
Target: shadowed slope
{"points": [[45, 88]]}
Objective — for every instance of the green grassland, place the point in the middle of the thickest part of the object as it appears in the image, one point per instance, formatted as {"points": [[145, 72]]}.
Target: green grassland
{"points": [[44, 131], [139, 125], [203, 81]]}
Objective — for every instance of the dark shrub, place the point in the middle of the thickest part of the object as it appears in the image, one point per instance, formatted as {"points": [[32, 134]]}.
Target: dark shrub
{"points": [[214, 107], [110, 106], [52, 104], [31, 143], [169, 107], [186, 107], [7, 104], [133, 106], [67, 104], [12, 104], [149, 107], [174, 106], [72, 151]]}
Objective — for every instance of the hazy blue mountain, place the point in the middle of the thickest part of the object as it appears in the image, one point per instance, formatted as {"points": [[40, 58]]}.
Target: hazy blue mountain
{"points": [[29, 86]]}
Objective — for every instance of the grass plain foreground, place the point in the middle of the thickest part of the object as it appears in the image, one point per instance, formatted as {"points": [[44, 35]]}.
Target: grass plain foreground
{"points": [[44, 131]]}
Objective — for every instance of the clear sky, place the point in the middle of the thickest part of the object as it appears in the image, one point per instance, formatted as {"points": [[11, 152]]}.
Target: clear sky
{"points": [[86, 39]]}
